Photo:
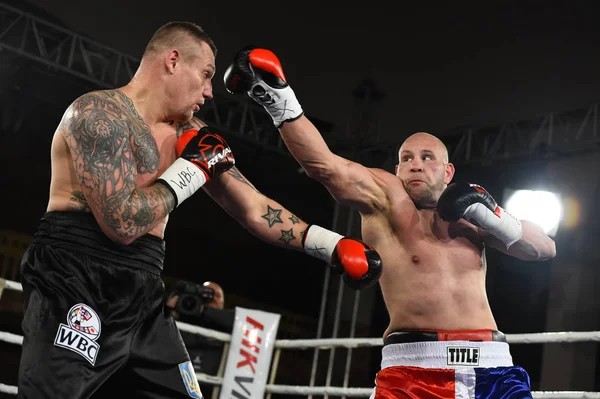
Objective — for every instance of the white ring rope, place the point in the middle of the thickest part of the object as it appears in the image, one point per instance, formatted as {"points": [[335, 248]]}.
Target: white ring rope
{"points": [[12, 285], [8, 389], [329, 343], [205, 332], [11, 338]]}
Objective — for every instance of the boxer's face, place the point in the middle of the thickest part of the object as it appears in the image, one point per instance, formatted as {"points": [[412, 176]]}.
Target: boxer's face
{"points": [[423, 169], [191, 84]]}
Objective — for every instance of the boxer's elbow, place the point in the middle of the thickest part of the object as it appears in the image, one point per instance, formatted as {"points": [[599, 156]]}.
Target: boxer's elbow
{"points": [[542, 251], [117, 233], [545, 247], [537, 243], [126, 240], [549, 250], [118, 236], [114, 233]]}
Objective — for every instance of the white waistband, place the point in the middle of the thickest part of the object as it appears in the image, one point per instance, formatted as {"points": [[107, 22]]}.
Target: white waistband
{"points": [[447, 354]]}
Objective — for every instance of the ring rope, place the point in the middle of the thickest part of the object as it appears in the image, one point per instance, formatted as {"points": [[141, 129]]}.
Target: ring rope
{"points": [[8, 389], [11, 285], [547, 337], [353, 392], [328, 343], [205, 332]]}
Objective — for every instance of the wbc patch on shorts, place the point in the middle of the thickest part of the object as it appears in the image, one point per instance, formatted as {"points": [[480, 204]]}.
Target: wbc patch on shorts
{"points": [[189, 379], [81, 332]]}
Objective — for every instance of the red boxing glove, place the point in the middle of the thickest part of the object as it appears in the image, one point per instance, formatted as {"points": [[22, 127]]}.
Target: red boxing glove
{"points": [[207, 150], [203, 155], [359, 264]]}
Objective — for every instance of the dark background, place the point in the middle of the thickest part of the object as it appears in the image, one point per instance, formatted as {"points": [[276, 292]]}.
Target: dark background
{"points": [[437, 68], [441, 66]]}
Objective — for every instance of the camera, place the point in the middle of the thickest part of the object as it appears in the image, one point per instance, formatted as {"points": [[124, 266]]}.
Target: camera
{"points": [[191, 297]]}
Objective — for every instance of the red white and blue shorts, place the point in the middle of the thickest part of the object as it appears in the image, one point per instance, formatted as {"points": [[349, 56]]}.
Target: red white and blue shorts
{"points": [[454, 369]]}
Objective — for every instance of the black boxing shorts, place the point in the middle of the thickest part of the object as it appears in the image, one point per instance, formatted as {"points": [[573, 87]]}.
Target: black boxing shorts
{"points": [[95, 325]]}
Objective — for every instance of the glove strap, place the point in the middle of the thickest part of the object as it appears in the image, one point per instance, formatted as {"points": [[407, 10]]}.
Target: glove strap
{"points": [[509, 230], [500, 224], [320, 243], [183, 179], [281, 104]]}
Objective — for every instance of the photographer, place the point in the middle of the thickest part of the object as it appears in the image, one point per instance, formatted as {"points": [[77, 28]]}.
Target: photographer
{"points": [[202, 306]]}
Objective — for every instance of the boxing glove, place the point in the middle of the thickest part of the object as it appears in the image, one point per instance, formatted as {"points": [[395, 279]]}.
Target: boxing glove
{"points": [[358, 263], [258, 73], [473, 203], [202, 155]]}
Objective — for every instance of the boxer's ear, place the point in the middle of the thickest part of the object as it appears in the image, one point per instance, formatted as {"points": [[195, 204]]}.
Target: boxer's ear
{"points": [[449, 173], [172, 58]]}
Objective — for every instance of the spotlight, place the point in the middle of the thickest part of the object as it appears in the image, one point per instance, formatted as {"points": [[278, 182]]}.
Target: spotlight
{"points": [[543, 208]]}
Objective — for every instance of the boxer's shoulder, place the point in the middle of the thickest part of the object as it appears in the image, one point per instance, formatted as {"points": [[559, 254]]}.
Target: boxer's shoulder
{"points": [[101, 111], [113, 103]]}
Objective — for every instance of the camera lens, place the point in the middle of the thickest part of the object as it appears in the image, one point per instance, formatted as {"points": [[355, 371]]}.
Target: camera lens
{"points": [[189, 303], [207, 294]]}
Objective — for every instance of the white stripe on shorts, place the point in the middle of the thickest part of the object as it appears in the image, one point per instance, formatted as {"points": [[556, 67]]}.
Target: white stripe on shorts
{"points": [[464, 383]]}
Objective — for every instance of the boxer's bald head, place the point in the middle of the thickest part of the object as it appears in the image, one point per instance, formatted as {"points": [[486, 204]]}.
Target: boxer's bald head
{"points": [[424, 168]]}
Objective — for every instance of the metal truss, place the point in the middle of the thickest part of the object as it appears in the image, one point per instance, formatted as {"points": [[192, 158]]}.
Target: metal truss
{"points": [[60, 49], [548, 136], [553, 134]]}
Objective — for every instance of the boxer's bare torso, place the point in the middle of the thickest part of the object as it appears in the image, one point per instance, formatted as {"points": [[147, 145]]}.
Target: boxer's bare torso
{"points": [[434, 271], [153, 150]]}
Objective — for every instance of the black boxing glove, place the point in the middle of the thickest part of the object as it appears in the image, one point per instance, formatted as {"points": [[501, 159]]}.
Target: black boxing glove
{"points": [[473, 203], [358, 263], [203, 155], [258, 73]]}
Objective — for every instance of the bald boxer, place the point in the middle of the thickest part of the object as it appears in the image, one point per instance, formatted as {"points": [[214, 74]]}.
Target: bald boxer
{"points": [[122, 160], [442, 340]]}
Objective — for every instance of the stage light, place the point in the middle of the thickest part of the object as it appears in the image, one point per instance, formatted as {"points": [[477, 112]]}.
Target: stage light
{"points": [[543, 208]]}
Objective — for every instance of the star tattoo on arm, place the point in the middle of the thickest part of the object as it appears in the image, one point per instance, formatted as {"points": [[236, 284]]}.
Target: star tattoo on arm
{"points": [[287, 236], [272, 216], [294, 219]]}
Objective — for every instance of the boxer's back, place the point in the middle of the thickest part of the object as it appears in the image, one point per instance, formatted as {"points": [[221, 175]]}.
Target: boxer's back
{"points": [[433, 271], [109, 111]]}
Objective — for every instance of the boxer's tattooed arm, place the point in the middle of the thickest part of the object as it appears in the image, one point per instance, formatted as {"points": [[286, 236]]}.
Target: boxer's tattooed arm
{"points": [[272, 216], [238, 176], [143, 145], [287, 236], [182, 128], [106, 147], [195, 123]]}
